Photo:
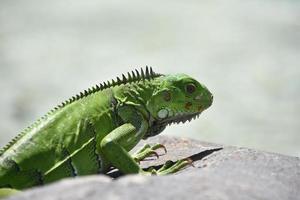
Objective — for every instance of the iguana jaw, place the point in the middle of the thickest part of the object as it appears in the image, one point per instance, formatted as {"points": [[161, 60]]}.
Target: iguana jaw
{"points": [[180, 117], [159, 125]]}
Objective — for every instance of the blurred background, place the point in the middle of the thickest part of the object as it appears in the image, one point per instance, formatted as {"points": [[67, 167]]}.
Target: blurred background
{"points": [[246, 52]]}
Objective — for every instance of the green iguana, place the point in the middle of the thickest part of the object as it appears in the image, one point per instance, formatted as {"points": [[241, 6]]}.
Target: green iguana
{"points": [[95, 130]]}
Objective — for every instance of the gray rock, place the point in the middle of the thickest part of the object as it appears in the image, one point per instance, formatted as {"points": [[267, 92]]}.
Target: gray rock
{"points": [[228, 173]]}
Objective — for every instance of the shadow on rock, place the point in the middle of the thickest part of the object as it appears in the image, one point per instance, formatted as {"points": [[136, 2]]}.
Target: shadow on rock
{"points": [[196, 157]]}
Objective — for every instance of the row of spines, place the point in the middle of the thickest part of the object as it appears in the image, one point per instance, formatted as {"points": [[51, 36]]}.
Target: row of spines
{"points": [[131, 77]]}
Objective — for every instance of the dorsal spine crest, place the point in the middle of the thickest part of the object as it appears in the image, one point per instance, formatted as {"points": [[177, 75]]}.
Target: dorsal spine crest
{"points": [[135, 76]]}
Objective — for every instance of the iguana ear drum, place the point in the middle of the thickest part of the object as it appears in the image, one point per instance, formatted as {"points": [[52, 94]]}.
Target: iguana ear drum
{"points": [[163, 113]]}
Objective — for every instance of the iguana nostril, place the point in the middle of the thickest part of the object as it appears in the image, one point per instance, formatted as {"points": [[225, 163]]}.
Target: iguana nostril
{"points": [[211, 99]]}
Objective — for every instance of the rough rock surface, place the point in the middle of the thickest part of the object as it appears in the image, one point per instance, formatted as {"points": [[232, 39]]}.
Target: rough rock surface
{"points": [[228, 173]]}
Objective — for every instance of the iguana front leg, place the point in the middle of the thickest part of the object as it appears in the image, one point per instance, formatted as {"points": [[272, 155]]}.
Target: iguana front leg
{"points": [[116, 145], [114, 148]]}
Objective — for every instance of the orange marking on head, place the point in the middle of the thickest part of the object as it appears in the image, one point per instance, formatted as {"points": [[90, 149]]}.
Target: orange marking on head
{"points": [[199, 108], [188, 105]]}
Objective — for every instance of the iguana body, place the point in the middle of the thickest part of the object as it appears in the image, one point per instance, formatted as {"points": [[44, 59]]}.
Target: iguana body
{"points": [[95, 130]]}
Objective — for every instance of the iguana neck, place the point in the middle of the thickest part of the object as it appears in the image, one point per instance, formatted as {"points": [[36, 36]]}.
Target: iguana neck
{"points": [[140, 92]]}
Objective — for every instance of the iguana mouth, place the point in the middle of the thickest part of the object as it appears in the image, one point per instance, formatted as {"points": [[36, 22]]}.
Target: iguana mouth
{"points": [[159, 125], [181, 117]]}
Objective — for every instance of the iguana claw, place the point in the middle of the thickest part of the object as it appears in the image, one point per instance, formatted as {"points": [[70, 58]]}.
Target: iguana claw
{"points": [[171, 167], [148, 151]]}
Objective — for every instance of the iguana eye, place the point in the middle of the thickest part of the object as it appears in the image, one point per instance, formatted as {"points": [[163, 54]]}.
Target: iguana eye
{"points": [[190, 88]]}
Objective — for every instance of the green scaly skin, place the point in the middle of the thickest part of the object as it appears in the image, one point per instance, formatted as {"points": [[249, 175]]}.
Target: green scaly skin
{"points": [[94, 131]]}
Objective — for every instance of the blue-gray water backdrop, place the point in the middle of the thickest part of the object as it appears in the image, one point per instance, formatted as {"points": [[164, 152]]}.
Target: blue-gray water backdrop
{"points": [[246, 52]]}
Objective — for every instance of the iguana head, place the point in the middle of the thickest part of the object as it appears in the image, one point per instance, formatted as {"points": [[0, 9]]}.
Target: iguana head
{"points": [[177, 98]]}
